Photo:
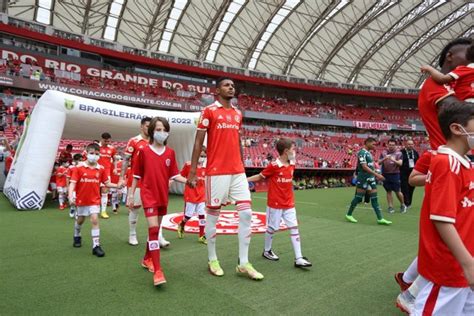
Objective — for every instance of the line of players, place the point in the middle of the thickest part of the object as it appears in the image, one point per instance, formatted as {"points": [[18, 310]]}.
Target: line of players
{"points": [[218, 180]]}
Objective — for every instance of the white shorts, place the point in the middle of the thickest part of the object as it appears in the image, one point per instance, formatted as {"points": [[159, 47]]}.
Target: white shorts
{"points": [[274, 217], [53, 186], [87, 210], [61, 189], [224, 189], [191, 209], [113, 190], [452, 301]]}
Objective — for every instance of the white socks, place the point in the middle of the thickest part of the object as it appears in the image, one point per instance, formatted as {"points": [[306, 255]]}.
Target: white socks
{"points": [[411, 273], [269, 238], [245, 219], [103, 202], [95, 233], [132, 221], [295, 241], [61, 198], [77, 229], [210, 231]]}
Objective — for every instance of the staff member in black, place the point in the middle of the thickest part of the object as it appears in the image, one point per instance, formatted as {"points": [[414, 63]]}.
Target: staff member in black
{"points": [[409, 158]]}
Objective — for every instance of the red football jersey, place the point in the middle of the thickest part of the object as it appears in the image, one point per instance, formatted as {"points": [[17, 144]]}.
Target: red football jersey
{"points": [[423, 163], [107, 154], [197, 194], [133, 147], [61, 176], [155, 169], [115, 174], [280, 185], [88, 180], [223, 139], [449, 197], [464, 84], [69, 171], [430, 94]]}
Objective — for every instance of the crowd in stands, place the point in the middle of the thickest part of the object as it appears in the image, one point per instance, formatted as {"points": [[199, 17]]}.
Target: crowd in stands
{"points": [[31, 70]]}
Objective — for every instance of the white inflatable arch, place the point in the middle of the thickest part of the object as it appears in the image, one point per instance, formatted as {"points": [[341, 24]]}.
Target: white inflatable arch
{"points": [[58, 115]]}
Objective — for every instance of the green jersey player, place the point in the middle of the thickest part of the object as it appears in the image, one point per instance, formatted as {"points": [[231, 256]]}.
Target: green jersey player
{"points": [[366, 182]]}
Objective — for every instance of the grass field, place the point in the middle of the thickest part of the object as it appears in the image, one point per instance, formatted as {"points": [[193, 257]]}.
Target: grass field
{"points": [[352, 273]]}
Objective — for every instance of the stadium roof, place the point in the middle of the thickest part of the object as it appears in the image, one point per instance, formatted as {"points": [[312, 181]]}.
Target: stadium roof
{"points": [[379, 43]]}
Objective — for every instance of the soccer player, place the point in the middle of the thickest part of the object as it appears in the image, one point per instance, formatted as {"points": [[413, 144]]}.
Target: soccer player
{"points": [[446, 244], [107, 152], [115, 178], [366, 181], [281, 201], [462, 77], [155, 165], [433, 95], [76, 159], [86, 181], [134, 145], [225, 174], [61, 184], [52, 182], [194, 198]]}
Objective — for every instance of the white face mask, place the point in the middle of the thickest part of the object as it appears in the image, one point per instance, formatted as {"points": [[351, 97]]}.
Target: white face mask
{"points": [[291, 155], [470, 138], [92, 158], [202, 160], [160, 137]]}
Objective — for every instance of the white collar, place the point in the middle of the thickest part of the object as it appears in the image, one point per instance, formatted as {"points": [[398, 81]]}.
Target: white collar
{"points": [[448, 151], [471, 65], [158, 152], [219, 105], [280, 164]]}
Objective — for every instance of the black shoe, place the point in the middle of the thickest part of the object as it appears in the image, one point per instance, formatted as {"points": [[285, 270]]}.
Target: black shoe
{"points": [[77, 242], [97, 251], [270, 255], [303, 262]]}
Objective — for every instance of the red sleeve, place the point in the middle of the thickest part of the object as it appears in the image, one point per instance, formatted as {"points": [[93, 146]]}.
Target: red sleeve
{"points": [[423, 163], [268, 171], [130, 147], [103, 176], [461, 71], [75, 175], [445, 188], [435, 92], [138, 165], [114, 152], [185, 171], [205, 119], [173, 169]]}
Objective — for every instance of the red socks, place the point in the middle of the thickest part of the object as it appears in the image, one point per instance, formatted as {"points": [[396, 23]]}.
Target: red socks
{"points": [[202, 224], [153, 247]]}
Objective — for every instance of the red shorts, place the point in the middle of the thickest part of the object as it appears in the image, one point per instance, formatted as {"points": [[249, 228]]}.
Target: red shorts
{"points": [[156, 211]]}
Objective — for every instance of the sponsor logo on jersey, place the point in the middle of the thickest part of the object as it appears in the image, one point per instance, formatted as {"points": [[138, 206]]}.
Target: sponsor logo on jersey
{"points": [[220, 117], [227, 126], [284, 180], [466, 202], [228, 223]]}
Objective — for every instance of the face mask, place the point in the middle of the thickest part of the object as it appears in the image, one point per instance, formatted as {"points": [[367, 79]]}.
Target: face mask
{"points": [[470, 138], [160, 137], [92, 158], [291, 155], [202, 160]]}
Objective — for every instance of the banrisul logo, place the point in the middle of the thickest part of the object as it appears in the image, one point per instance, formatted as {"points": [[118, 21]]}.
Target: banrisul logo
{"points": [[69, 104]]}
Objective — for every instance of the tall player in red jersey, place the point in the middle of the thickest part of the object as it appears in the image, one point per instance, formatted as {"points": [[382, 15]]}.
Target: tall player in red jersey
{"points": [[134, 145], [155, 165], [107, 153], [433, 95], [281, 201], [225, 174]]}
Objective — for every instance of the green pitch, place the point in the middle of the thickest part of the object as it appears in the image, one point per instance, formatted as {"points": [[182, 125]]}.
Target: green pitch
{"points": [[352, 273]]}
